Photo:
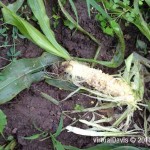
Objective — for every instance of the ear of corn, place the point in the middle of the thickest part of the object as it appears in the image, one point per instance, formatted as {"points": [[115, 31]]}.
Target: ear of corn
{"points": [[104, 83], [127, 89]]}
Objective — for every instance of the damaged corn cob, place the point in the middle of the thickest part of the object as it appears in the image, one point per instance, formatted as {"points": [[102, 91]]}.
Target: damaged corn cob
{"points": [[104, 83]]}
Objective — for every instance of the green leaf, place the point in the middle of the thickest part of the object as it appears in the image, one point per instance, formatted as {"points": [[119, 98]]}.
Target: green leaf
{"points": [[69, 24], [3, 121], [2, 147], [21, 73], [56, 17], [38, 9], [2, 31], [148, 2], [31, 32], [16, 5], [69, 17], [94, 4], [103, 24], [56, 144], [132, 73], [120, 49], [74, 10], [109, 31], [59, 129], [115, 6], [88, 7], [119, 55], [32, 137], [99, 17], [78, 107], [48, 97], [11, 145], [134, 14], [148, 105], [61, 84]]}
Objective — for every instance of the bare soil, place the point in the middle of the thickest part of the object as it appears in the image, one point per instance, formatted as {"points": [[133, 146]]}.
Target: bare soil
{"points": [[29, 108]]}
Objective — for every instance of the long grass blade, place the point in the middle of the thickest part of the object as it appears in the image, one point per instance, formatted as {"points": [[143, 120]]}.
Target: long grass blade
{"points": [[74, 10], [38, 9], [69, 17]]}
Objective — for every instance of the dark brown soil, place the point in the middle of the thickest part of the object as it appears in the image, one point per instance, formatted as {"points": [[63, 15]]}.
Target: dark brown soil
{"points": [[29, 108]]}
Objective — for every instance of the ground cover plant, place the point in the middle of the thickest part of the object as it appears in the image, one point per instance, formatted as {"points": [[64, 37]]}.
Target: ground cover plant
{"points": [[115, 98]]}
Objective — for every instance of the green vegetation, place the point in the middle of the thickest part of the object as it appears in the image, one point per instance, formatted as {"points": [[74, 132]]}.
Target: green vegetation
{"points": [[133, 13], [119, 55], [10, 146], [19, 75], [124, 90], [3, 121]]}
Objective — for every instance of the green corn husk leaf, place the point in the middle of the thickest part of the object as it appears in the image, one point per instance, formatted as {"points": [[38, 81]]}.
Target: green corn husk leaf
{"points": [[38, 9], [3, 121], [133, 74], [19, 75], [30, 32]]}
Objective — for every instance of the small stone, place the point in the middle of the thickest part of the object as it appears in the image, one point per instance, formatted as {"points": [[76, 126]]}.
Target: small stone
{"points": [[14, 131]]}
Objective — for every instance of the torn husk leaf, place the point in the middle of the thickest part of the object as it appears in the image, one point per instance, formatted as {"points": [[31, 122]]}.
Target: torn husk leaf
{"points": [[95, 133]]}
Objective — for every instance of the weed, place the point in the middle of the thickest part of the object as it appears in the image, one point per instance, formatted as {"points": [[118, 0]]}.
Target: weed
{"points": [[56, 20], [132, 13], [104, 25], [69, 24], [78, 107], [4, 34], [12, 53], [114, 26]]}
